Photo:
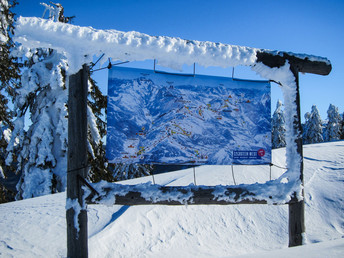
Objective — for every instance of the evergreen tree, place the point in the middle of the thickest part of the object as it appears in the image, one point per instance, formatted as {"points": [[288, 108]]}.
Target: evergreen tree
{"points": [[304, 128], [278, 127], [99, 168], [41, 149], [333, 128], [342, 128], [9, 75], [8, 65], [125, 171], [313, 127]]}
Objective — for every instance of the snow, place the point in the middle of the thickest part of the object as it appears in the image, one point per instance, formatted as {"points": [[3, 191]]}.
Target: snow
{"points": [[301, 56], [40, 149], [37, 227], [333, 248], [287, 79], [273, 192], [3, 21], [130, 46], [80, 44], [74, 204]]}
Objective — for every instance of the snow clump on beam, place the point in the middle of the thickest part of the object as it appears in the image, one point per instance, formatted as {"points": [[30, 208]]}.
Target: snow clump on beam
{"points": [[80, 44]]}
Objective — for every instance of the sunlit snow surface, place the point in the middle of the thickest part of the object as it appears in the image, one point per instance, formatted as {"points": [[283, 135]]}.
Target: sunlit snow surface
{"points": [[175, 119], [81, 43], [37, 227]]}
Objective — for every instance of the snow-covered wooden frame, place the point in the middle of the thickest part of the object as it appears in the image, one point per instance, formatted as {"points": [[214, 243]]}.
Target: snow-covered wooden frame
{"points": [[285, 190], [80, 44]]}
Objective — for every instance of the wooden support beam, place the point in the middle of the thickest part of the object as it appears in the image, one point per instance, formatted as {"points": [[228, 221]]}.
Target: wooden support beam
{"points": [[297, 209], [303, 65], [77, 164], [176, 195]]}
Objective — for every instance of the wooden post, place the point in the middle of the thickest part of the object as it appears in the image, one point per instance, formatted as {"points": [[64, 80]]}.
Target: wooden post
{"points": [[77, 164], [304, 65], [297, 209]]}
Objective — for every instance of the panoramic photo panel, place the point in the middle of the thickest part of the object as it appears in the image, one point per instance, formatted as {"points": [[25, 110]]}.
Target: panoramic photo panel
{"points": [[161, 118]]}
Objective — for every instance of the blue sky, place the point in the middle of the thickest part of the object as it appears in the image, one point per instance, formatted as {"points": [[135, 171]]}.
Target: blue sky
{"points": [[310, 27]]}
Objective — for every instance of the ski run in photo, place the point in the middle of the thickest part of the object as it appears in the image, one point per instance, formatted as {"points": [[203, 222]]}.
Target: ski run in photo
{"points": [[37, 58]]}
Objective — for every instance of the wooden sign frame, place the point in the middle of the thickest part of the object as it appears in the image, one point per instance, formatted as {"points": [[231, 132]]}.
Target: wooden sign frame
{"points": [[77, 153]]}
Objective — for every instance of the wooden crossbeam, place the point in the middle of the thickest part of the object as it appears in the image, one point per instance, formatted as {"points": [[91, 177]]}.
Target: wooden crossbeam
{"points": [[303, 65], [179, 195]]}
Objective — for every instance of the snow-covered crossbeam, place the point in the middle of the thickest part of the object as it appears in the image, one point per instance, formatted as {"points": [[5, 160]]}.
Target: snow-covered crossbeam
{"points": [[80, 44], [107, 193]]}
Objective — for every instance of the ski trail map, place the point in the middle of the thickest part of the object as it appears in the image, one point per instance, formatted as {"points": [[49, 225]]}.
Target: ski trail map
{"points": [[160, 118]]}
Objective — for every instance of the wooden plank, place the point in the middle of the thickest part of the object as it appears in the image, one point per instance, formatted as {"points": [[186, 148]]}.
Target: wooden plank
{"points": [[176, 195], [303, 65], [297, 208], [296, 225], [77, 162]]}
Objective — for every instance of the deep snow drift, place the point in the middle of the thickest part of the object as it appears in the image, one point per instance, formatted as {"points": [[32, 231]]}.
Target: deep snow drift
{"points": [[37, 228]]}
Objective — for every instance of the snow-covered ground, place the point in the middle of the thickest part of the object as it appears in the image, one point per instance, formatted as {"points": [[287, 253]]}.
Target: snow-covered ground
{"points": [[37, 228]]}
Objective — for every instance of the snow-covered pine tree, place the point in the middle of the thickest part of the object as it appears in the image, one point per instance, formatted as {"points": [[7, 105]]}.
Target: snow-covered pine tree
{"points": [[278, 127], [333, 127], [304, 128], [41, 149], [99, 169], [39, 152], [9, 75], [123, 171], [313, 132], [342, 128], [8, 66]]}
